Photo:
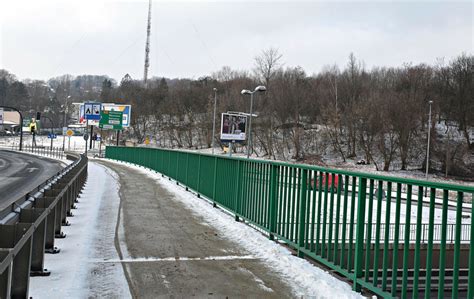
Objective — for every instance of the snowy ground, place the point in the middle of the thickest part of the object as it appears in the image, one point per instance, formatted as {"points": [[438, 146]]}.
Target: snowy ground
{"points": [[78, 270]]}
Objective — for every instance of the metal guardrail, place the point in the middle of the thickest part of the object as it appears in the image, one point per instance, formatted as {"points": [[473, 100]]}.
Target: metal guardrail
{"points": [[54, 152], [278, 198], [29, 226]]}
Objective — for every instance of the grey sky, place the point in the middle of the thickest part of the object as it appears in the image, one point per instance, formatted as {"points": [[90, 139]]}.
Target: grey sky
{"points": [[43, 38]]}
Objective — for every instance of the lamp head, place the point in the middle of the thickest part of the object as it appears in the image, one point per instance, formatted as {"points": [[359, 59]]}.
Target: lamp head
{"points": [[245, 91], [215, 89], [260, 88]]}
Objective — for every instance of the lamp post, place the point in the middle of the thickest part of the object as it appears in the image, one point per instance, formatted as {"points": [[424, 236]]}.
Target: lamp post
{"points": [[214, 120], [428, 145], [259, 88], [65, 120]]}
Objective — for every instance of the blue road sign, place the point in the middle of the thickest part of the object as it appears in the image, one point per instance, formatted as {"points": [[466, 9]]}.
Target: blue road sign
{"points": [[92, 111], [52, 136]]}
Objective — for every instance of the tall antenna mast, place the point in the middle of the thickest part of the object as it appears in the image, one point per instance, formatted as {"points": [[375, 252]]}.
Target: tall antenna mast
{"points": [[147, 47]]}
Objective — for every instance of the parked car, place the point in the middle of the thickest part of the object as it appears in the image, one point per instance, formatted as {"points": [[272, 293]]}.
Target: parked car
{"points": [[314, 183]]}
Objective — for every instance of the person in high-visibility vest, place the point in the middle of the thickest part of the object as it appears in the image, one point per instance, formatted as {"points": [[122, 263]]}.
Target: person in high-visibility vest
{"points": [[33, 130]]}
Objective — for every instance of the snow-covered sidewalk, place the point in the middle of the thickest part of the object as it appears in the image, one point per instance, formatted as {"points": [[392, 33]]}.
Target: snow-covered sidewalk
{"points": [[78, 270]]}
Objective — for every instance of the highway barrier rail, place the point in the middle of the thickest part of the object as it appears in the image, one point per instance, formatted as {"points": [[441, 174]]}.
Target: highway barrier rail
{"points": [[389, 246], [54, 152], [29, 226]]}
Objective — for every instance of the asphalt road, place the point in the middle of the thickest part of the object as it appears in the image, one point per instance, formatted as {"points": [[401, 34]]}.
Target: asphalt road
{"points": [[20, 173]]}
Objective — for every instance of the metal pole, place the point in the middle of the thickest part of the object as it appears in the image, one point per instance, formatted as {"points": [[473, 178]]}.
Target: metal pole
{"points": [[100, 143], [230, 147], [428, 145], [250, 126], [21, 131], [214, 120], [92, 132], [118, 135], [87, 125]]}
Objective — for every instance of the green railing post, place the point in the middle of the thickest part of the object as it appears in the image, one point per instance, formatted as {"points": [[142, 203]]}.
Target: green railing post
{"points": [[457, 245], [369, 230], [470, 292], [359, 246], [198, 189], [273, 200], [378, 220], [385, 262], [187, 170], [393, 288], [419, 216], [406, 245], [442, 251], [214, 185], [303, 198], [429, 255], [238, 198]]}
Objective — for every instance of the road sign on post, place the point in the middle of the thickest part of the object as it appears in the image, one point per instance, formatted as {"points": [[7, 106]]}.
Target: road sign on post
{"points": [[111, 120], [92, 111]]}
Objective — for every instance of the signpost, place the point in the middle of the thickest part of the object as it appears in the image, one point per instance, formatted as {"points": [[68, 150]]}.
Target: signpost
{"points": [[86, 137], [69, 133], [92, 112], [1, 116], [111, 120]]}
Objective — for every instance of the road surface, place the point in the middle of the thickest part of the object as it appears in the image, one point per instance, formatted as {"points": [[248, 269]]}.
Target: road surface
{"points": [[20, 173]]}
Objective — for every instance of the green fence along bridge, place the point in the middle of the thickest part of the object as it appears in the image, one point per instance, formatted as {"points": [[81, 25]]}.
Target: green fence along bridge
{"points": [[395, 237]]}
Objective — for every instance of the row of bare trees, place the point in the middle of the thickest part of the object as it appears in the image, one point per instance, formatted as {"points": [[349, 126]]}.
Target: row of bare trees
{"points": [[352, 112]]}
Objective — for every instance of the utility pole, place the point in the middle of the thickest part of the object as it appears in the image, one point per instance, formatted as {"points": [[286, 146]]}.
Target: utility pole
{"points": [[147, 46], [214, 120]]}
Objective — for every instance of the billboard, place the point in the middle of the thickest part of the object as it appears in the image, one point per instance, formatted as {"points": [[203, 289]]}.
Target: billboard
{"points": [[233, 127], [125, 109]]}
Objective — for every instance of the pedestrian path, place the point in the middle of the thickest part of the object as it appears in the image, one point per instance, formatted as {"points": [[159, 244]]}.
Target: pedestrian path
{"points": [[136, 234]]}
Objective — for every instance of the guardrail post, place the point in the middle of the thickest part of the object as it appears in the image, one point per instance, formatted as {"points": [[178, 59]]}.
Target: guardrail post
{"points": [[5, 273], [359, 246], [303, 198], [273, 200], [39, 237], [10, 236], [46, 202]]}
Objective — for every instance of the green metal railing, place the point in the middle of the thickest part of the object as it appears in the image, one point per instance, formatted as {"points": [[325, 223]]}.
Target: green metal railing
{"points": [[378, 231]]}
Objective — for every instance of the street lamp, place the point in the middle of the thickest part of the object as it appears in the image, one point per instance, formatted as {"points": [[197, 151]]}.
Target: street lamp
{"points": [[65, 119], [428, 145], [259, 88], [214, 120]]}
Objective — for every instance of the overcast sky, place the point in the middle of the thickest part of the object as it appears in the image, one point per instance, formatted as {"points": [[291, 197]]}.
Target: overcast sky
{"points": [[42, 38]]}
